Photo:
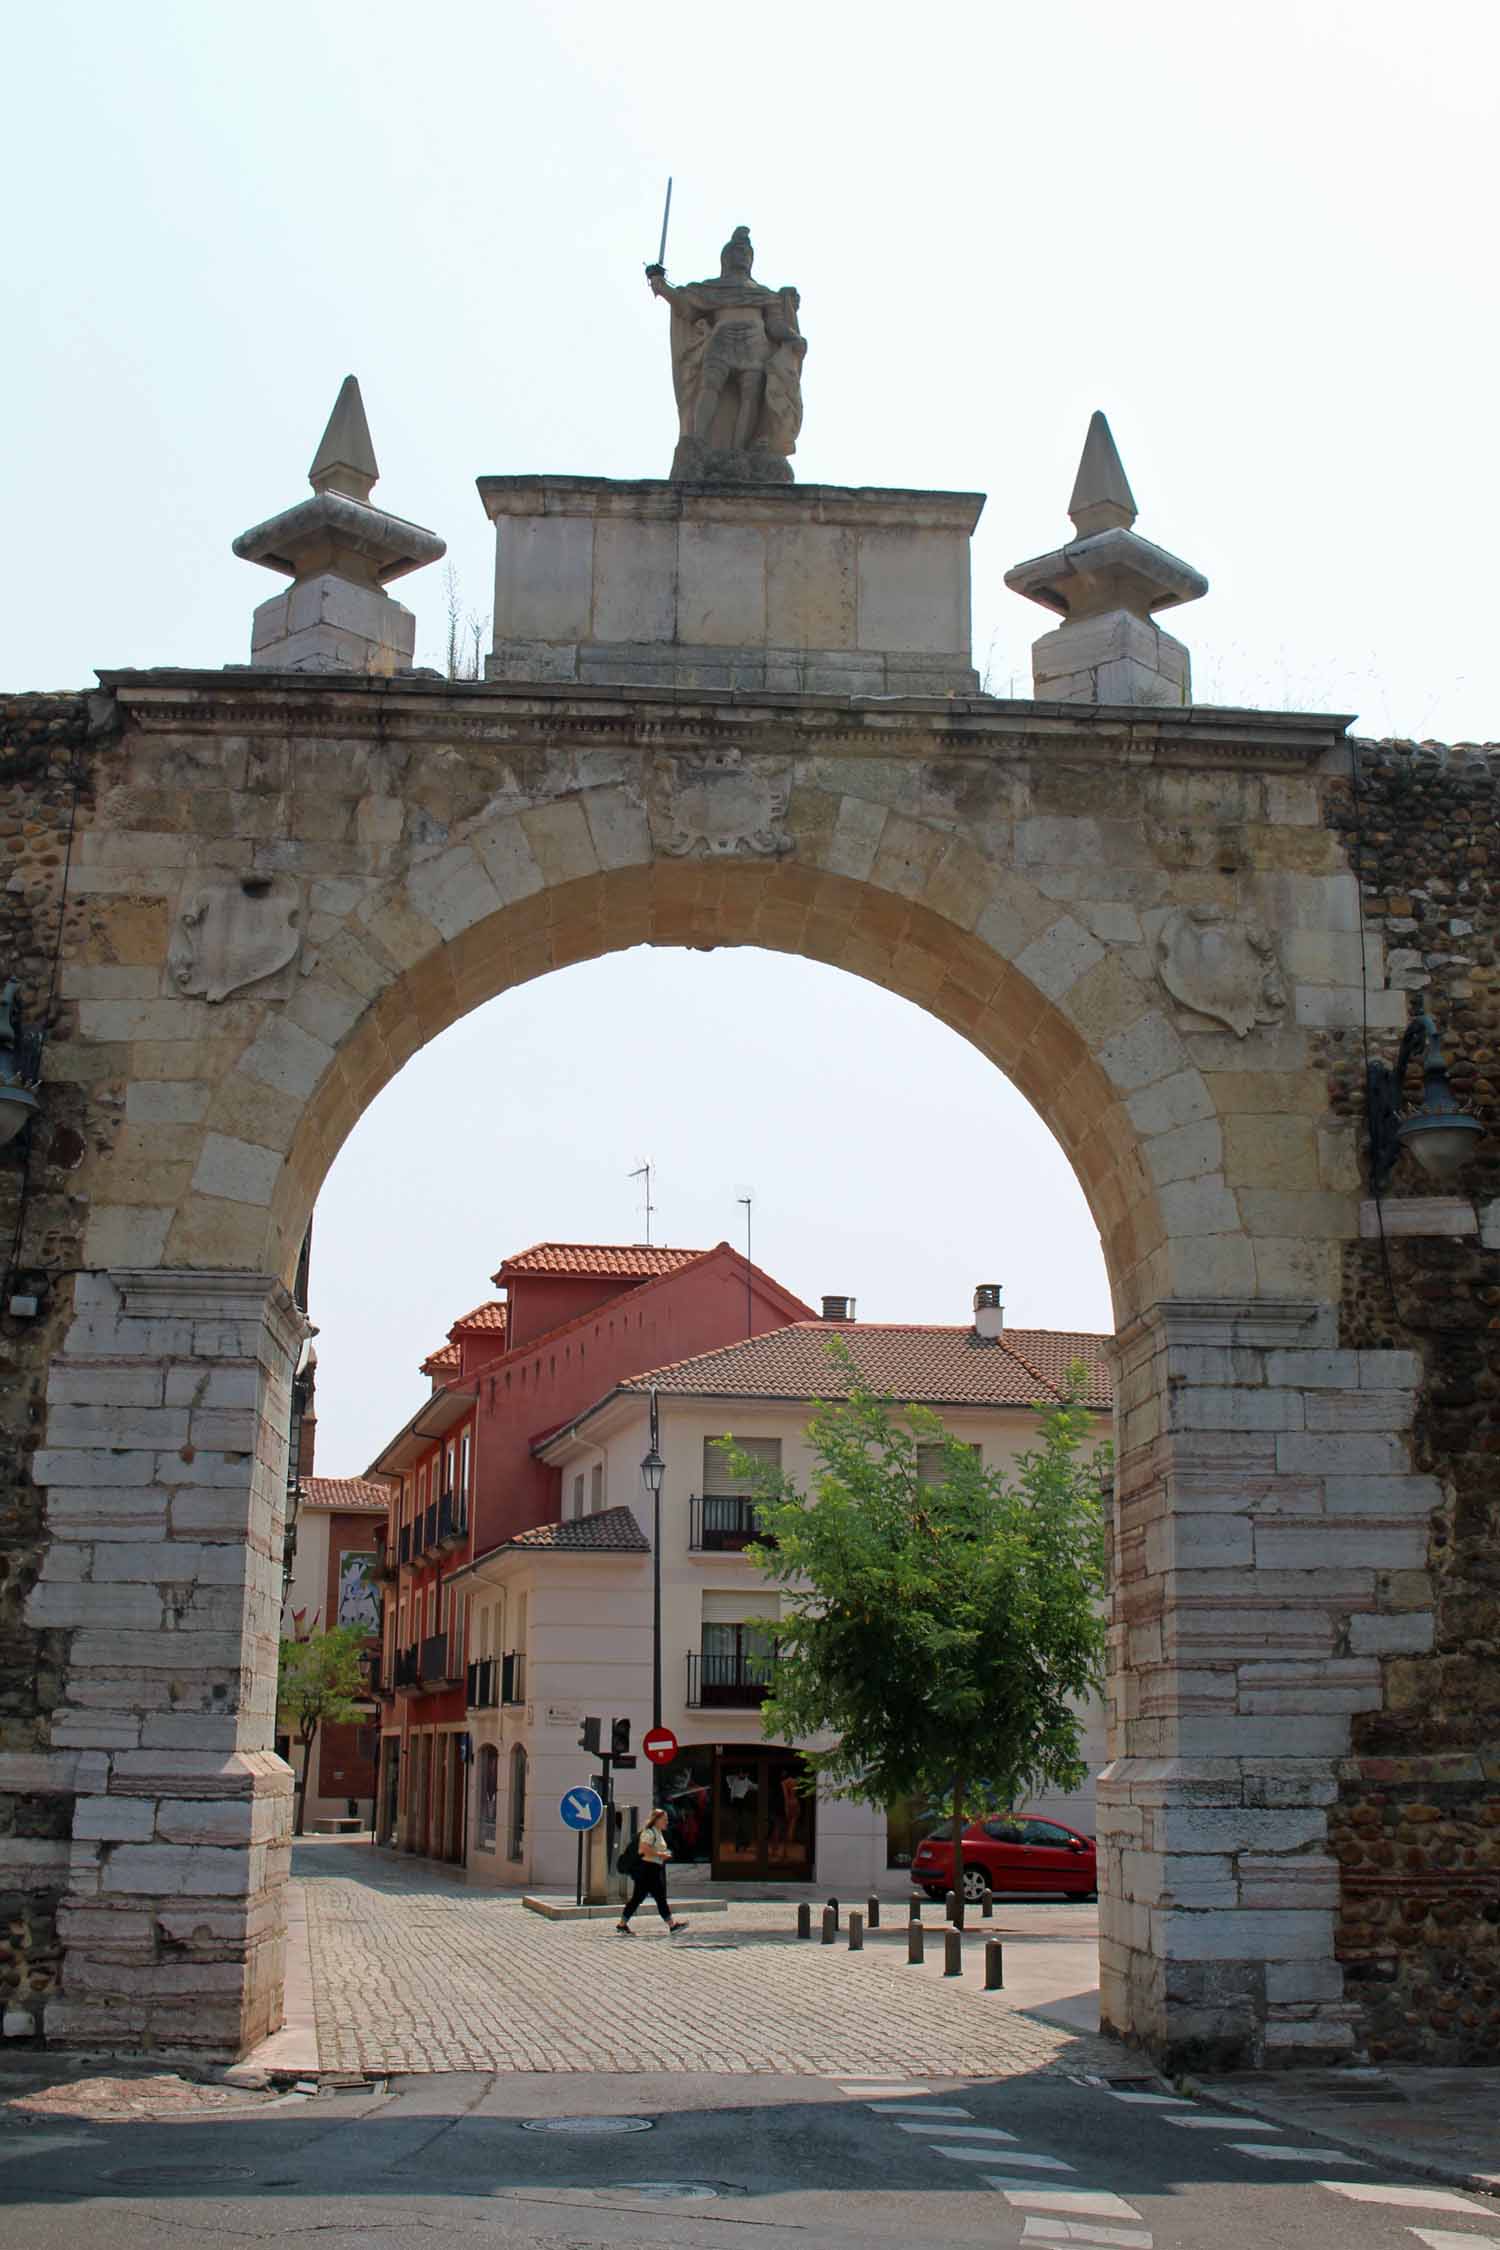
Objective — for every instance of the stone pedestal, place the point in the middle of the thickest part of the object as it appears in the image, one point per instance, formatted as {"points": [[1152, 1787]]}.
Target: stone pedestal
{"points": [[325, 624], [1115, 658], [811, 589], [165, 1466], [1270, 1548]]}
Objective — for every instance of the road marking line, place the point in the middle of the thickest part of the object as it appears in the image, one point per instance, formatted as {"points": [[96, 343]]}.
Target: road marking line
{"points": [[959, 2132], [871, 2090], [1069, 2203], [1157, 2101], [1241, 2124], [1099, 2237], [1442, 2238], [1018, 2157], [1277, 2152], [918, 2109], [1394, 2191]]}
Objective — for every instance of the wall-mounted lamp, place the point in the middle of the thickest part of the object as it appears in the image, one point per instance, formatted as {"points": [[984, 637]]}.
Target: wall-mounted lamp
{"points": [[1440, 1135], [19, 1058]]}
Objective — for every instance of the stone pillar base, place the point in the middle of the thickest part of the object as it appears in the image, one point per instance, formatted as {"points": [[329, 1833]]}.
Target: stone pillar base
{"points": [[1114, 658], [325, 624], [175, 1929]]}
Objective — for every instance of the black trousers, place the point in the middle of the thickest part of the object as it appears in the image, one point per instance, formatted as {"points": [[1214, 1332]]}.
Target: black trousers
{"points": [[650, 1882]]}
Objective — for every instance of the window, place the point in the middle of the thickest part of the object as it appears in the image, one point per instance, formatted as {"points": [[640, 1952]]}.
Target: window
{"points": [[489, 1794], [932, 1464], [1007, 1832], [1047, 1832], [718, 1477], [517, 1825], [463, 1460], [596, 1488], [450, 1468], [577, 1508]]}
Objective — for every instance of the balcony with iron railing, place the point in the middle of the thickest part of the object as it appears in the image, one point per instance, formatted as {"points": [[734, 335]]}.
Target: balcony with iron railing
{"points": [[406, 1673], [436, 1670], [483, 1684], [740, 1681], [723, 1524], [403, 1549], [513, 1677], [452, 1520]]}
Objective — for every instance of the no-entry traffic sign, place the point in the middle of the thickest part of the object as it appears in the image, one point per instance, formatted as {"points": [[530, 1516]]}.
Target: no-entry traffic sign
{"points": [[660, 1745]]}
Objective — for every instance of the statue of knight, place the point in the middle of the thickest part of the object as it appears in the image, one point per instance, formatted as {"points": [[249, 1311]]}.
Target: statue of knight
{"points": [[737, 357]]}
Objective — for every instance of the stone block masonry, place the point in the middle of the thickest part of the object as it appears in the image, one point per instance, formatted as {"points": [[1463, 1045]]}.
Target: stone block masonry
{"points": [[1148, 918]]}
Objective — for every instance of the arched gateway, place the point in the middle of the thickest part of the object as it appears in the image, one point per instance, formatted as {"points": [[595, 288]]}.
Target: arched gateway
{"points": [[284, 881]]}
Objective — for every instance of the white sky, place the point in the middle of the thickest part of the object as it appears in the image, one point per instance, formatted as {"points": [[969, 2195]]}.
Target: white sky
{"points": [[1260, 236]]}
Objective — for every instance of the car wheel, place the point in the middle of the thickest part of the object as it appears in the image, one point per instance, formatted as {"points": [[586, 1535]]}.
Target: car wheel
{"points": [[976, 1883]]}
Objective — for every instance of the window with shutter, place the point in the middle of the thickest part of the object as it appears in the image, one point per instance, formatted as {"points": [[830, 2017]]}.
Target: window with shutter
{"points": [[932, 1464], [720, 1478]]}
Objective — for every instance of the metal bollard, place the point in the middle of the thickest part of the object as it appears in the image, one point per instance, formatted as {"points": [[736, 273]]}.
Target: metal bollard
{"points": [[872, 1912], [987, 1904], [830, 1925], [804, 1920], [950, 1907], [994, 1965], [953, 1953], [915, 1941], [856, 1933], [833, 1908], [914, 1908]]}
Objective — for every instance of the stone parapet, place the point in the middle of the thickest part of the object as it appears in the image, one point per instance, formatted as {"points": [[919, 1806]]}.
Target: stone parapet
{"points": [[802, 588]]}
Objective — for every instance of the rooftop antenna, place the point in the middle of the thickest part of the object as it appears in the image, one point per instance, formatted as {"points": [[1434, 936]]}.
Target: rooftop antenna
{"points": [[644, 1172], [747, 1203]]}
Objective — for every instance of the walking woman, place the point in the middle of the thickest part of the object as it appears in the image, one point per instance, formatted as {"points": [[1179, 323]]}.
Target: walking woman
{"points": [[650, 1872]]}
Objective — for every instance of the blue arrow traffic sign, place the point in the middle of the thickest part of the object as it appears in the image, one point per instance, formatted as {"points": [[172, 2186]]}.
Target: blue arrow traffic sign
{"points": [[582, 1808]]}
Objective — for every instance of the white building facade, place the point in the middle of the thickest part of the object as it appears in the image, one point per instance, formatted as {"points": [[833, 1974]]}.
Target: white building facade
{"points": [[562, 1617]]}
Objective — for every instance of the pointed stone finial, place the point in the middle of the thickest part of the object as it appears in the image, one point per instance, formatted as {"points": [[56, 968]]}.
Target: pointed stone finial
{"points": [[340, 554], [1102, 499], [345, 459], [1107, 584]]}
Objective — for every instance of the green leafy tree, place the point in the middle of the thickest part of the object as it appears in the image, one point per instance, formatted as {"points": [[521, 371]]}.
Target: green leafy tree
{"points": [[943, 1630], [319, 1681]]}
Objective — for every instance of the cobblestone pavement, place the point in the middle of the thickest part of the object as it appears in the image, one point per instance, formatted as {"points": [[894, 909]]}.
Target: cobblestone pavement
{"points": [[414, 1971]]}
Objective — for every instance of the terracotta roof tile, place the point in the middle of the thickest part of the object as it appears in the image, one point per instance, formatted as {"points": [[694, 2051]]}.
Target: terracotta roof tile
{"points": [[342, 1492], [606, 1261], [614, 1531], [918, 1366], [446, 1360], [492, 1317]]}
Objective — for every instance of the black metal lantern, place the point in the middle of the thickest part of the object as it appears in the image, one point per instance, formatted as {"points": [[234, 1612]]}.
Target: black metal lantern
{"points": [[1440, 1135]]}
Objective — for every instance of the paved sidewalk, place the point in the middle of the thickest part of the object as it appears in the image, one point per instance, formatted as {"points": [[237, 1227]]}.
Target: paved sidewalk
{"points": [[1444, 2123], [415, 1971]]}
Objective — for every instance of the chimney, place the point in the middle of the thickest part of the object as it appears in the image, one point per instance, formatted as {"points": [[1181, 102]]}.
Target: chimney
{"points": [[989, 1313], [838, 1308]]}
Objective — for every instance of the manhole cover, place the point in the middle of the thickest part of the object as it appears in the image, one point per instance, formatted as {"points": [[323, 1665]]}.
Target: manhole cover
{"points": [[178, 2175], [666, 2191], [587, 2124]]}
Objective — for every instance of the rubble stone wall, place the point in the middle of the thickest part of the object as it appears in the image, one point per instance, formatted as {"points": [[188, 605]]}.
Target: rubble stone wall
{"points": [[1417, 1825], [49, 748]]}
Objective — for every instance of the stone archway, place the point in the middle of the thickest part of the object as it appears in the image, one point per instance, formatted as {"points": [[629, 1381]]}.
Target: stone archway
{"points": [[292, 882]]}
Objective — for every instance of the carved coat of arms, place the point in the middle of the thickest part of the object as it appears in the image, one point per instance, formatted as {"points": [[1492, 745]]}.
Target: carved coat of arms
{"points": [[1226, 970], [714, 806], [232, 930]]}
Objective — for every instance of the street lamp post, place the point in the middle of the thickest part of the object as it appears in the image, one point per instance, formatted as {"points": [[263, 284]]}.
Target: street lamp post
{"points": [[652, 1470]]}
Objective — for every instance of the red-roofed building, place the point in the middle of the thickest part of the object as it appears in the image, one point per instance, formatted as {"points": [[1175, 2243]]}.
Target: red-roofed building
{"points": [[464, 1477], [561, 1616], [333, 1581]]}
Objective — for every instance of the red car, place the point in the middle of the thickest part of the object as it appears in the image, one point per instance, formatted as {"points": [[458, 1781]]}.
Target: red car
{"points": [[1010, 1853]]}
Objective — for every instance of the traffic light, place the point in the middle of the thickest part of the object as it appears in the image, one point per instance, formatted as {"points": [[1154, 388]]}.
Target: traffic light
{"points": [[591, 1737], [619, 1738]]}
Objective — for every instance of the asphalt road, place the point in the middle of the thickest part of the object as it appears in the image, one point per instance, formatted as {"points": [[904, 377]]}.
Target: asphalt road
{"points": [[1038, 2163]]}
